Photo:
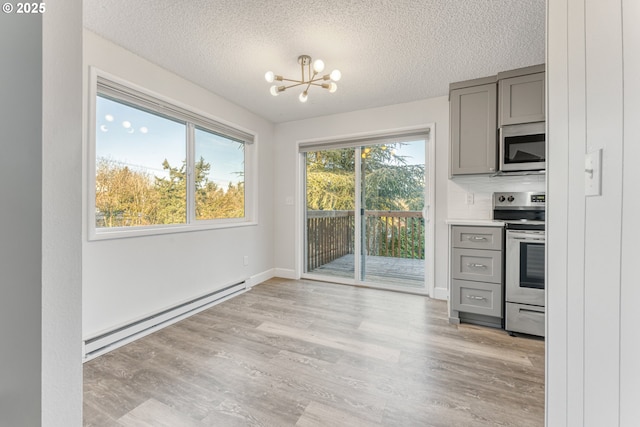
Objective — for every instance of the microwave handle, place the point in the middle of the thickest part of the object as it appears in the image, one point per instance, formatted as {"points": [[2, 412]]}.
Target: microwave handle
{"points": [[500, 149]]}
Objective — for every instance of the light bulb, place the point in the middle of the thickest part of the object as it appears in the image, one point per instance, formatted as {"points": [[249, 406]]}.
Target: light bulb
{"points": [[335, 75], [269, 76], [274, 90], [332, 87], [303, 96], [318, 65]]}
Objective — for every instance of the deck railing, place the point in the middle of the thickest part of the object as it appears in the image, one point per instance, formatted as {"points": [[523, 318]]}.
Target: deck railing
{"points": [[330, 235]]}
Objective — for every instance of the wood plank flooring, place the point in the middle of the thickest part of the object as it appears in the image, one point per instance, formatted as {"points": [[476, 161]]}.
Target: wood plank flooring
{"points": [[304, 353]]}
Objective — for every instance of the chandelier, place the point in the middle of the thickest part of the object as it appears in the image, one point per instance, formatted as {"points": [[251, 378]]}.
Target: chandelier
{"points": [[310, 77]]}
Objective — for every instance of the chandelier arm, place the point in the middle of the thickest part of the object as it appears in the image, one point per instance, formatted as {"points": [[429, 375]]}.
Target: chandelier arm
{"points": [[316, 80], [293, 80], [294, 85]]}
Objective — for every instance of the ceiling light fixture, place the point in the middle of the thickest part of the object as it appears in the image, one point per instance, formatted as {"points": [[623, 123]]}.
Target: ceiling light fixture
{"points": [[310, 69]]}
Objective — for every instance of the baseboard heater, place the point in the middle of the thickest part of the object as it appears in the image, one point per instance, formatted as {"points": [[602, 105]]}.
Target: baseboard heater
{"points": [[103, 343]]}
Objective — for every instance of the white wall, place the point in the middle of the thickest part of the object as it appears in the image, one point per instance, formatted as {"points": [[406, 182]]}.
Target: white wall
{"points": [[286, 183], [630, 289], [126, 279], [593, 350], [482, 187], [61, 221]]}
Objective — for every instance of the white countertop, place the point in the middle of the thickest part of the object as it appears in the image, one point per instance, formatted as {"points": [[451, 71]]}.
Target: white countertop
{"points": [[475, 222]]}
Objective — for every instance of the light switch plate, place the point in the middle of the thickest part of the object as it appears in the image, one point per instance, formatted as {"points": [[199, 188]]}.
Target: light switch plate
{"points": [[593, 173]]}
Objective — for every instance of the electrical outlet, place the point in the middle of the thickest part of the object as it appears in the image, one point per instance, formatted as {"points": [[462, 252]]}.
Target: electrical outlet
{"points": [[470, 197], [245, 260]]}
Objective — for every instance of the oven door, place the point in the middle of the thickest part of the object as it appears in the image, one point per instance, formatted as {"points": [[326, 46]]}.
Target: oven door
{"points": [[522, 147], [524, 267]]}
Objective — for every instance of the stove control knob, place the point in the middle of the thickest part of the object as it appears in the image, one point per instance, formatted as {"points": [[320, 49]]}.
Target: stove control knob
{"points": [[510, 199], [501, 199]]}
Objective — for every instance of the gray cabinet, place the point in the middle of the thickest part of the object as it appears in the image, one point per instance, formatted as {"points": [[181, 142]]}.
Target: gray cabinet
{"points": [[477, 275], [522, 96], [477, 297], [475, 264], [473, 117], [476, 237]]}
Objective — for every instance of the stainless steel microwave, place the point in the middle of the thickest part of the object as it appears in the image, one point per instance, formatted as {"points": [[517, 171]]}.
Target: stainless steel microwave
{"points": [[522, 147]]}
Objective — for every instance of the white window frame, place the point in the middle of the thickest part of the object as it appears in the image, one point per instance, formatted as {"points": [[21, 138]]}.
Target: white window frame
{"points": [[167, 107]]}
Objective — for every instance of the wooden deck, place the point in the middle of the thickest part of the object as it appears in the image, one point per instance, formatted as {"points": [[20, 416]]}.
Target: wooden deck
{"points": [[379, 269], [303, 353]]}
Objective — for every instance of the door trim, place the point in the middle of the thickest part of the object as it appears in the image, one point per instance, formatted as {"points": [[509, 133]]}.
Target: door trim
{"points": [[429, 210]]}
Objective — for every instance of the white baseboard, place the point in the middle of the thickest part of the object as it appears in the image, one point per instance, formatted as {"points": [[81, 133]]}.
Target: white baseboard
{"points": [[256, 279], [285, 273]]}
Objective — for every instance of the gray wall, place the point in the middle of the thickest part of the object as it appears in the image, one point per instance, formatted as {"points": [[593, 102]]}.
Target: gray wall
{"points": [[20, 218]]}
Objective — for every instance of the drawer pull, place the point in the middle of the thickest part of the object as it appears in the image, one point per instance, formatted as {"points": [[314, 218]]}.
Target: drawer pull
{"points": [[478, 238], [476, 297], [474, 265]]}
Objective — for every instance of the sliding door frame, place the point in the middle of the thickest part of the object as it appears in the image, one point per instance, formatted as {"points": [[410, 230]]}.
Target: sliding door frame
{"points": [[356, 141]]}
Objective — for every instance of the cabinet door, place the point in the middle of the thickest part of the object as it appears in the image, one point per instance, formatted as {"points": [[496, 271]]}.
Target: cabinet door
{"points": [[522, 99], [473, 115]]}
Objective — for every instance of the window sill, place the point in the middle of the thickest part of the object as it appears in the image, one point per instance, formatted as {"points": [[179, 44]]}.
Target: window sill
{"points": [[130, 232]]}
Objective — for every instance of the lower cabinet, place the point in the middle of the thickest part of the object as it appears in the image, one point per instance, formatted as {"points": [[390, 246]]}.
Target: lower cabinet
{"points": [[477, 284], [477, 297]]}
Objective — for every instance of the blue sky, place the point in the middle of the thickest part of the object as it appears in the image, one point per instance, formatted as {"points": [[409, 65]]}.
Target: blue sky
{"points": [[142, 141]]}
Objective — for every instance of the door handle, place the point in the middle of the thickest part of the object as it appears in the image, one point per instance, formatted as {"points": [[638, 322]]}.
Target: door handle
{"points": [[477, 238], [476, 297]]}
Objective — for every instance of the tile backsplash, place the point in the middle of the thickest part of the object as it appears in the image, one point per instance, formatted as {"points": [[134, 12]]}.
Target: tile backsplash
{"points": [[481, 188]]}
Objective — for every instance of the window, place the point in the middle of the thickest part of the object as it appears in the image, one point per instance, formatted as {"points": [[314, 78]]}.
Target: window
{"points": [[158, 167]]}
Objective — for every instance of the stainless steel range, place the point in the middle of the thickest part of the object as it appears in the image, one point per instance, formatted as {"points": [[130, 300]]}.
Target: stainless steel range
{"points": [[524, 215]]}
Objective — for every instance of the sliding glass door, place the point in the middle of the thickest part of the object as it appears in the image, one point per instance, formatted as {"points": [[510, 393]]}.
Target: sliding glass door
{"points": [[392, 223], [364, 217], [330, 222]]}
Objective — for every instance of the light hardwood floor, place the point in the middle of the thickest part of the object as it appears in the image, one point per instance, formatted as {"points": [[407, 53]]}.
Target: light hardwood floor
{"points": [[304, 353]]}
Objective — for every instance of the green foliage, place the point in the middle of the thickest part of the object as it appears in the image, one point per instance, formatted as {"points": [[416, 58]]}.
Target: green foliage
{"points": [[390, 183], [125, 197], [172, 195]]}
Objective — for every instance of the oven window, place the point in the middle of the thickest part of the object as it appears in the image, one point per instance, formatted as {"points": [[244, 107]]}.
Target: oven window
{"points": [[524, 149], [532, 265]]}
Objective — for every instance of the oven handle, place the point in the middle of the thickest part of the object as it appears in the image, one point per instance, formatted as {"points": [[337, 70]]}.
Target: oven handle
{"points": [[520, 235], [529, 239]]}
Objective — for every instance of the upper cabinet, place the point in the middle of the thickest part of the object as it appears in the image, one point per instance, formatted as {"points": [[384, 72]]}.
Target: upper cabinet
{"points": [[522, 95], [473, 118]]}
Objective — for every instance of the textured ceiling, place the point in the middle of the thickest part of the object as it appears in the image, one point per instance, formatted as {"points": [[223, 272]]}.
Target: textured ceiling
{"points": [[389, 51]]}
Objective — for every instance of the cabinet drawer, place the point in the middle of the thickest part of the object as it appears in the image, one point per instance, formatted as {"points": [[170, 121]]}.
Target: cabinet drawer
{"points": [[477, 265], [477, 237], [477, 297]]}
